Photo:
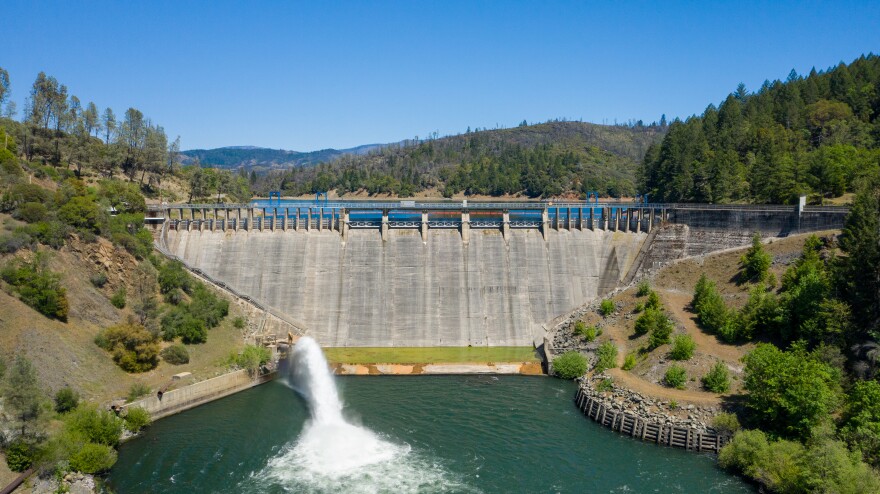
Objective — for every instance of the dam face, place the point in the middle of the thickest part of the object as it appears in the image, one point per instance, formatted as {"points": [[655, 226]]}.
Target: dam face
{"points": [[400, 289]]}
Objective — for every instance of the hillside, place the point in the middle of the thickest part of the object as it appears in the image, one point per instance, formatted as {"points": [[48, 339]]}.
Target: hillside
{"points": [[264, 159], [64, 352], [815, 135], [542, 160]]}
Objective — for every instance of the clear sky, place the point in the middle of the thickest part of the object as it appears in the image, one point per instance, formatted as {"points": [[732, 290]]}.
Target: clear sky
{"points": [[311, 75]]}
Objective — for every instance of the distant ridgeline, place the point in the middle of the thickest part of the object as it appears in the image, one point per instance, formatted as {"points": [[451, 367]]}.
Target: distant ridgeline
{"points": [[542, 160], [263, 159], [814, 135]]}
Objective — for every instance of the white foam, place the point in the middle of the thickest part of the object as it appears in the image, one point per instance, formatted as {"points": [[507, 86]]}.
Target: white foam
{"points": [[334, 455]]}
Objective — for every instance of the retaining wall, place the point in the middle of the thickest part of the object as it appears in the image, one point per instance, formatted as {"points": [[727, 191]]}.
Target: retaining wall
{"points": [[193, 395], [667, 434]]}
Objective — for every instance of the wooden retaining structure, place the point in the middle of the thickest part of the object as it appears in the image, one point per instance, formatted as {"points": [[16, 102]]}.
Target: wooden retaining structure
{"points": [[637, 427]]}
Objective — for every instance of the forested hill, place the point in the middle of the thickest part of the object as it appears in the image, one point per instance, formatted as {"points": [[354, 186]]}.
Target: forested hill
{"points": [[815, 135], [547, 159], [263, 159]]}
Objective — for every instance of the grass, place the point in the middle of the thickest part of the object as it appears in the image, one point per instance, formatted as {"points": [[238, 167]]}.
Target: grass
{"points": [[429, 355]]}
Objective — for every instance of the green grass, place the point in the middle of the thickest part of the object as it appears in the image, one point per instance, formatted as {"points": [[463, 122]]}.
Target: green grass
{"points": [[429, 355]]}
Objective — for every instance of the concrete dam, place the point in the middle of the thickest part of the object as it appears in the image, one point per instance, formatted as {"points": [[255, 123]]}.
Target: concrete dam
{"points": [[401, 274]]}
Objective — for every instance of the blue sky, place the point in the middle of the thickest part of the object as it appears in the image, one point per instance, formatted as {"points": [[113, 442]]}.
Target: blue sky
{"points": [[312, 75]]}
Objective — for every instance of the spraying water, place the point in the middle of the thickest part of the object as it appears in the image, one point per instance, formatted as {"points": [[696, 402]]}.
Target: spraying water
{"points": [[334, 455]]}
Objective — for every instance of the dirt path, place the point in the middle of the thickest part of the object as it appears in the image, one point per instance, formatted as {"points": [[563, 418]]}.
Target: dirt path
{"points": [[656, 391], [676, 303]]}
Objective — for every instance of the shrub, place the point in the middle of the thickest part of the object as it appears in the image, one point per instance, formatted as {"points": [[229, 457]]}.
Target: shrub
{"points": [[675, 377], [717, 380], [96, 426], [629, 362], [239, 322], [66, 400], [137, 390], [660, 333], [52, 233], [653, 301], [638, 308], [756, 261], [207, 306], [607, 356], [93, 458], [588, 332], [81, 212], [252, 357], [683, 347], [136, 418], [726, 423], [172, 276], [647, 321], [605, 385], [20, 456], [712, 313], [37, 286], [570, 365], [606, 308], [180, 322], [31, 212], [643, 289], [118, 298], [175, 355], [134, 348], [98, 280], [15, 241]]}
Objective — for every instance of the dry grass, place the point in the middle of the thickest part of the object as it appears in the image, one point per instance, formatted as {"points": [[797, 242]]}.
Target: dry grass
{"points": [[65, 354]]}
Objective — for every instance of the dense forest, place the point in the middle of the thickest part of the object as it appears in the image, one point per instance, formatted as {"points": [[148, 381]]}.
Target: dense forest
{"points": [[815, 135], [542, 160]]}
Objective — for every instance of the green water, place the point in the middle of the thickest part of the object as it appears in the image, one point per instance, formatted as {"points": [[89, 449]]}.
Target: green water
{"points": [[446, 434]]}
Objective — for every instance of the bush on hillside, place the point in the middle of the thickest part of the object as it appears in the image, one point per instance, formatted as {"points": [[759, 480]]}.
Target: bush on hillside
{"points": [[20, 455], [629, 362], [607, 356], [66, 400], [675, 377], [683, 347], [660, 333], [118, 298], [647, 321], [644, 288], [175, 355], [172, 277], [589, 333], [726, 423], [95, 425], [755, 263], [93, 458], [98, 280], [136, 418], [653, 301], [37, 286], [31, 212], [134, 348], [570, 365], [606, 308], [717, 380], [251, 358], [137, 390]]}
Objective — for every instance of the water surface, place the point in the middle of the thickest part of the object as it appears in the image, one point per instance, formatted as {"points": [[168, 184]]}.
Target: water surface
{"points": [[435, 434]]}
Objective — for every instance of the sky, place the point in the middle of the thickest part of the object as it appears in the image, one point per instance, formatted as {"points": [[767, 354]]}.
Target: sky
{"points": [[318, 74]]}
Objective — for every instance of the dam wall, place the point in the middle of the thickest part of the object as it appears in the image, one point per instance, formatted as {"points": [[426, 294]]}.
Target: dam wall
{"points": [[403, 287]]}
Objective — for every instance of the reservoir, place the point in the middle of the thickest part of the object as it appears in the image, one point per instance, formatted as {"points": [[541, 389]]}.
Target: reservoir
{"points": [[407, 434]]}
